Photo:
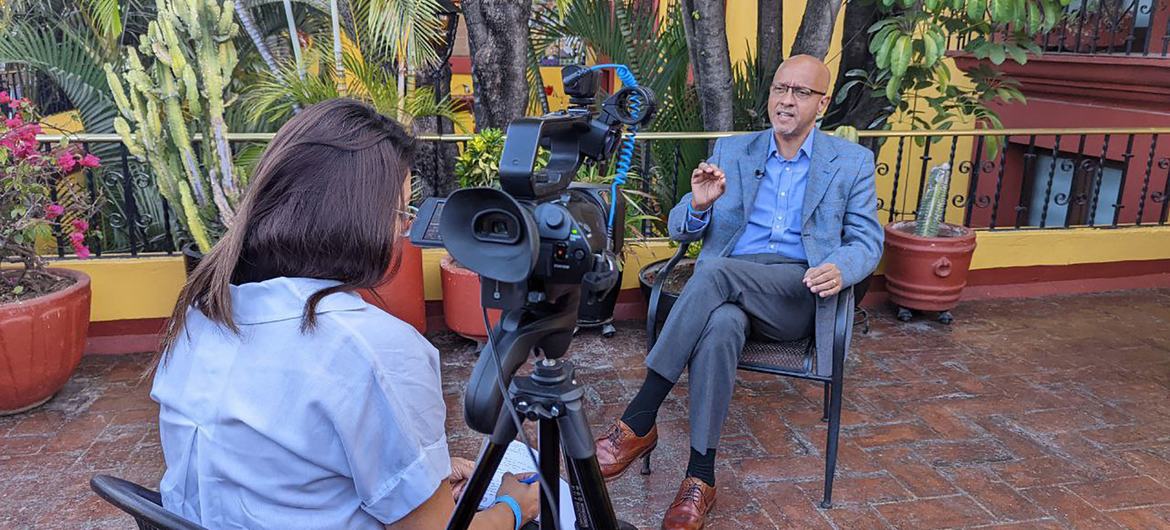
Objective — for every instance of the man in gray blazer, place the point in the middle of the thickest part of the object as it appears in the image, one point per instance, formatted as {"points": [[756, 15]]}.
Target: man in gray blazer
{"points": [[787, 218]]}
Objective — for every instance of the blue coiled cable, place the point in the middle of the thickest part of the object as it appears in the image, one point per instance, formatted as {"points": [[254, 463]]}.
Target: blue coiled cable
{"points": [[626, 153]]}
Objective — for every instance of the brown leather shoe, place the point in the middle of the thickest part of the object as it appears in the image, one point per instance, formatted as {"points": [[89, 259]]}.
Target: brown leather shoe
{"points": [[691, 505], [619, 447]]}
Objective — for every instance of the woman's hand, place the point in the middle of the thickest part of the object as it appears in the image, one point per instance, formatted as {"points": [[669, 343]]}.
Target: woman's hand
{"points": [[461, 470], [528, 495]]}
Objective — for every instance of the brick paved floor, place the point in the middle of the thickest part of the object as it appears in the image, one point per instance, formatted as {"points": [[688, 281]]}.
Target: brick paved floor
{"points": [[1041, 413]]}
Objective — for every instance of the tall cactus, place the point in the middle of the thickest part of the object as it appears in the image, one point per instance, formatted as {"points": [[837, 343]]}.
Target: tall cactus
{"points": [[177, 88], [934, 202]]}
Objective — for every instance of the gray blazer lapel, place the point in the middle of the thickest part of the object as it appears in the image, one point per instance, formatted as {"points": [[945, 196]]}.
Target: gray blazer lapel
{"points": [[751, 169], [821, 171]]}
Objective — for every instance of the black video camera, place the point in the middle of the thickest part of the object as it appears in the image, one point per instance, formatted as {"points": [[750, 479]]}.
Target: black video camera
{"points": [[541, 240], [540, 230]]}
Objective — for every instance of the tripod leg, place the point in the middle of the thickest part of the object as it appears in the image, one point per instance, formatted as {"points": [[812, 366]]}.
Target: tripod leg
{"points": [[550, 469], [578, 444], [485, 468]]}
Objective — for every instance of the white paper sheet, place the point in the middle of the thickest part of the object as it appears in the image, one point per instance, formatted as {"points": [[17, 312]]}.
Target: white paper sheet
{"points": [[517, 461]]}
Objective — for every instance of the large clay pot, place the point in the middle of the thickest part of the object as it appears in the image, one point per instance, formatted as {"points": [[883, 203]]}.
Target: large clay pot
{"points": [[403, 296], [41, 342], [462, 310], [927, 273]]}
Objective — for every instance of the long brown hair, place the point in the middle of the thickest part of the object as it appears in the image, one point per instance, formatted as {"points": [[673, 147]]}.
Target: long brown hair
{"points": [[324, 202]]}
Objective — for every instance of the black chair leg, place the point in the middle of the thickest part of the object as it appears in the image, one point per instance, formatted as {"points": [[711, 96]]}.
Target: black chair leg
{"points": [[825, 414], [831, 446]]}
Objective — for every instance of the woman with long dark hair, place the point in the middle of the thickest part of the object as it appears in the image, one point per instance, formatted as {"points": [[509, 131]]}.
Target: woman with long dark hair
{"points": [[286, 401]]}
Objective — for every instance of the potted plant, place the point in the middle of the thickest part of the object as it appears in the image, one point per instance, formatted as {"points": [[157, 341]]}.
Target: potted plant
{"points": [[167, 92], [44, 311], [927, 260], [477, 166]]}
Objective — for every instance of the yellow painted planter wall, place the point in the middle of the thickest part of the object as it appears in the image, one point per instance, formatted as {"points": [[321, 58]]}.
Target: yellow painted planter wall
{"points": [[136, 288]]}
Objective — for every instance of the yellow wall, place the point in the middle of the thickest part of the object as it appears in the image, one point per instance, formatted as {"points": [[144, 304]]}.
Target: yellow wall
{"points": [[131, 288], [134, 288]]}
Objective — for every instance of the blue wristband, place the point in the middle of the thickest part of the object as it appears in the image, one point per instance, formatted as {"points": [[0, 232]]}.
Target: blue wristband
{"points": [[506, 499]]}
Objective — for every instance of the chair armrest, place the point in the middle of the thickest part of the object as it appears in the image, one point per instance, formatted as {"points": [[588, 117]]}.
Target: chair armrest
{"points": [[656, 294], [842, 327]]}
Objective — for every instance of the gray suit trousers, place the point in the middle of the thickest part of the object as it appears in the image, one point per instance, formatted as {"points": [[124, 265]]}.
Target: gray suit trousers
{"points": [[726, 301]]}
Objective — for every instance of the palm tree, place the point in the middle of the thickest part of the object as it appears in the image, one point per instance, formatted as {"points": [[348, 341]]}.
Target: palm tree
{"points": [[273, 96]]}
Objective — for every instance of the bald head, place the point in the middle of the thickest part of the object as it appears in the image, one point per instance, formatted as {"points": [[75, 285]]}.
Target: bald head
{"points": [[799, 93], [806, 68]]}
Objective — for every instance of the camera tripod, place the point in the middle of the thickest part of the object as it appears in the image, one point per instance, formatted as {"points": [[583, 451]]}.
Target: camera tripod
{"points": [[552, 397]]}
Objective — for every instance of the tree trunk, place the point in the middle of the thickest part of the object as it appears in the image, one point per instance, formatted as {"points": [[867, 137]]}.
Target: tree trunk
{"points": [[706, 28], [434, 162], [860, 108], [769, 36], [816, 28], [498, 37]]}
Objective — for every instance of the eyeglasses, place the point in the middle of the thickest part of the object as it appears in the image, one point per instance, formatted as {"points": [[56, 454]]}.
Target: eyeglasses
{"points": [[801, 93], [404, 215]]}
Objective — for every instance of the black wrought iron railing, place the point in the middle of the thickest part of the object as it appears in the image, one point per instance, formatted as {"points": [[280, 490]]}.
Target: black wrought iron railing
{"points": [[1033, 179], [21, 82]]}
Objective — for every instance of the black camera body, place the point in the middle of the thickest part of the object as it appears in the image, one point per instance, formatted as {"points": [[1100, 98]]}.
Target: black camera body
{"points": [[541, 244], [540, 230]]}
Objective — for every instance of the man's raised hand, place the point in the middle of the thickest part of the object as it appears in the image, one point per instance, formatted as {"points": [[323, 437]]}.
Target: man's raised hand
{"points": [[707, 184]]}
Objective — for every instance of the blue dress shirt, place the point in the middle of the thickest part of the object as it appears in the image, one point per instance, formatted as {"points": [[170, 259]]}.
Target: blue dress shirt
{"points": [[340, 427], [773, 226]]}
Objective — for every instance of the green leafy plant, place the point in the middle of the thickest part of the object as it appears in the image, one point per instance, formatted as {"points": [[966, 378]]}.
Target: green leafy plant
{"points": [[180, 90], [929, 219], [479, 163], [911, 40], [37, 198]]}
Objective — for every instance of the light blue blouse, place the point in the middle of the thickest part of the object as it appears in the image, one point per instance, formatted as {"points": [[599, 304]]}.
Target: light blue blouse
{"points": [[342, 427]]}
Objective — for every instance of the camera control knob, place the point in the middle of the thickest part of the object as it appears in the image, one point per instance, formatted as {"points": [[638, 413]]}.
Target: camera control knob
{"points": [[579, 254], [554, 218]]}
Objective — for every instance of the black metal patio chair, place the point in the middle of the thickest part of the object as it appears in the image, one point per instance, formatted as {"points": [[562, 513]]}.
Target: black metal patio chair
{"points": [[143, 504]]}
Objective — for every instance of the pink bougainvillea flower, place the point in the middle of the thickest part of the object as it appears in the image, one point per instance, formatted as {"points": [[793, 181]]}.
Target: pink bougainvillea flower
{"points": [[66, 162], [77, 238], [14, 122], [53, 211], [90, 161], [82, 251], [80, 225], [5, 98]]}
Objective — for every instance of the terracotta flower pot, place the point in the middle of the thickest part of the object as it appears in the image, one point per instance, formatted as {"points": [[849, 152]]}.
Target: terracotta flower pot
{"points": [[461, 308], [927, 273], [403, 296], [41, 342]]}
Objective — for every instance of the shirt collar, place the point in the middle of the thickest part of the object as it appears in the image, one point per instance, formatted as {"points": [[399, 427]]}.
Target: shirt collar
{"points": [[284, 299], [805, 148]]}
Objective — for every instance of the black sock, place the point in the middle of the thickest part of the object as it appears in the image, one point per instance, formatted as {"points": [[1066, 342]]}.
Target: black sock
{"points": [[643, 410], [702, 466]]}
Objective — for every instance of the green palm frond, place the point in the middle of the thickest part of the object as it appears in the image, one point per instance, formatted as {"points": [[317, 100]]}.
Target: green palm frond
{"points": [[272, 97], [750, 90], [627, 31], [106, 17], [72, 65], [407, 31]]}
